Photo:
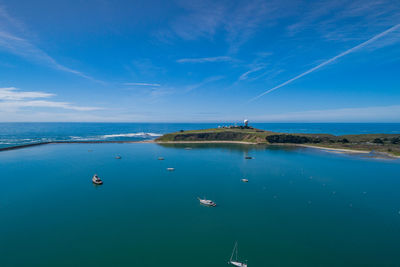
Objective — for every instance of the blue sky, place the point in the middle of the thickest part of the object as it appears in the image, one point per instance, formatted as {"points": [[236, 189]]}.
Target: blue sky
{"points": [[200, 61]]}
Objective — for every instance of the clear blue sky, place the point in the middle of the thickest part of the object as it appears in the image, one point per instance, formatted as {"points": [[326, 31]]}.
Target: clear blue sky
{"points": [[200, 61]]}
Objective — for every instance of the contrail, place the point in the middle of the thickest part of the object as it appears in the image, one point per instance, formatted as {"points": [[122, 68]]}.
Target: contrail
{"points": [[376, 37]]}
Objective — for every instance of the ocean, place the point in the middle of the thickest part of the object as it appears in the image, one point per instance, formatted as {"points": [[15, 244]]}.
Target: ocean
{"points": [[12, 134], [301, 206]]}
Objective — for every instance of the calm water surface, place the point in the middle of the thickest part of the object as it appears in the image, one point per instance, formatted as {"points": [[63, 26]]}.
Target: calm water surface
{"points": [[301, 207]]}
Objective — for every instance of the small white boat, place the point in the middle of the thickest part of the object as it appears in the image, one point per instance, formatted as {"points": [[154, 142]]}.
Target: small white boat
{"points": [[170, 169], [244, 180], [160, 158], [207, 202], [235, 261], [118, 157], [96, 180]]}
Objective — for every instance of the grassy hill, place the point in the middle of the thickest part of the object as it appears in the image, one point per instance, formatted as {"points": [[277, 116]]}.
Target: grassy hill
{"points": [[388, 143]]}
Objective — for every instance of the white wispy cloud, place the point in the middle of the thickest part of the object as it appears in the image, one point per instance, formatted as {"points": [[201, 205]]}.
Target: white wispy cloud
{"points": [[13, 99], [205, 59], [245, 75], [351, 50], [12, 40], [12, 93], [203, 83], [238, 21], [143, 84], [13, 105], [330, 19]]}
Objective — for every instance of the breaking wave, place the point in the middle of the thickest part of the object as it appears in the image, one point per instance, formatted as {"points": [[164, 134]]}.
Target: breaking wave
{"points": [[141, 134]]}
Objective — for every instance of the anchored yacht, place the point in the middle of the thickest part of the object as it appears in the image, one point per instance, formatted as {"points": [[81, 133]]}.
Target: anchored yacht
{"points": [[207, 202]]}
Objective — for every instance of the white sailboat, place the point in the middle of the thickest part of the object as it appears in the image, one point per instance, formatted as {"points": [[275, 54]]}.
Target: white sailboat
{"points": [[235, 261]]}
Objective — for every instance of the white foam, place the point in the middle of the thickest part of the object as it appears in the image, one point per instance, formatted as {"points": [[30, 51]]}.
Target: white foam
{"points": [[141, 134]]}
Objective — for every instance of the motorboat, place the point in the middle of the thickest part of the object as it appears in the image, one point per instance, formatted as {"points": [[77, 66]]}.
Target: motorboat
{"points": [[236, 262], [248, 157], [244, 180], [207, 202], [170, 169], [96, 180], [160, 158], [118, 157]]}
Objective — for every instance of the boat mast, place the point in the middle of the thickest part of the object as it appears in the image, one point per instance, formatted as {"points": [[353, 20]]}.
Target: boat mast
{"points": [[233, 251], [236, 252]]}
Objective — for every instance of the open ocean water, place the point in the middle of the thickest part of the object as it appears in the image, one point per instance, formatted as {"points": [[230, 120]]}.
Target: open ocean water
{"points": [[12, 134], [301, 207]]}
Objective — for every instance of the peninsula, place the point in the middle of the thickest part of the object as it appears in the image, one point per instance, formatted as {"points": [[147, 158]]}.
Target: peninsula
{"points": [[361, 143]]}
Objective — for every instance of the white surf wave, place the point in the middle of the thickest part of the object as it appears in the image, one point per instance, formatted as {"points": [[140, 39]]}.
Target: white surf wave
{"points": [[141, 134]]}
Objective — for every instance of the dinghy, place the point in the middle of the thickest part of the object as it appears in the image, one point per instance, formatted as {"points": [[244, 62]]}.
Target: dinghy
{"points": [[235, 254], [96, 180], [244, 180], [170, 169]]}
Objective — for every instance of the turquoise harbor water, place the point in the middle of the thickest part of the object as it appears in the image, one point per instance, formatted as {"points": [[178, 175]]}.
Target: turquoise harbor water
{"points": [[301, 207]]}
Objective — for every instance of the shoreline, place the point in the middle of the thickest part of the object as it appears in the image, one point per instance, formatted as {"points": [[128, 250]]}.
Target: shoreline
{"points": [[206, 142], [350, 151]]}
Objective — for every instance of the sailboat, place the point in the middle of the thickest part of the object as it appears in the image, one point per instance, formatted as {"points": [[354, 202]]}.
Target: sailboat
{"points": [[235, 261]]}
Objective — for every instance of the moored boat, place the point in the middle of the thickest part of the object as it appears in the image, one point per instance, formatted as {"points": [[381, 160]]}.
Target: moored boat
{"points": [[96, 180], [207, 202], [235, 261], [244, 180], [170, 169]]}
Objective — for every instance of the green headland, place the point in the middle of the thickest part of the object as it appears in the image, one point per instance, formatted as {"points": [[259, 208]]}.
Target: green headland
{"points": [[380, 143]]}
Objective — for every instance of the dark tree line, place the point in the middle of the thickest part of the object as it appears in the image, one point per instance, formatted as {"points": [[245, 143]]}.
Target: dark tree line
{"points": [[299, 139]]}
